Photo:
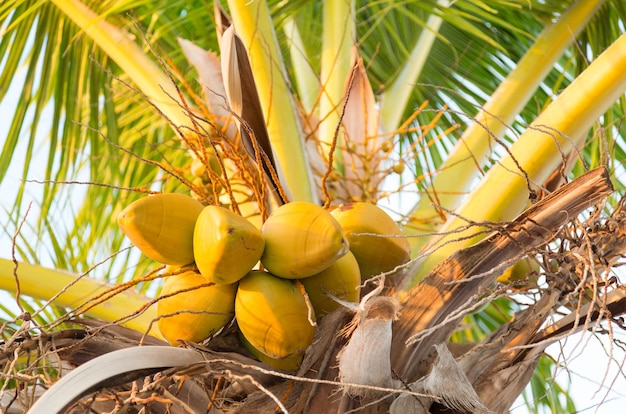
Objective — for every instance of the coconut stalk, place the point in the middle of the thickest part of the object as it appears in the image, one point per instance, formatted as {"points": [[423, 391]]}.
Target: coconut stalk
{"points": [[336, 64], [560, 129], [459, 169], [307, 82]]}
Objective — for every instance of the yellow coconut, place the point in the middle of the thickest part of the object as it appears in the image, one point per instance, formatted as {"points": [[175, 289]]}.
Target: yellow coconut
{"points": [[342, 279], [273, 315], [161, 226], [373, 237], [301, 239], [226, 246], [192, 309]]}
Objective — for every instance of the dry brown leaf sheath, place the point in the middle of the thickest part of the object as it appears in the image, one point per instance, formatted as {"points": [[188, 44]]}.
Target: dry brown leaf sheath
{"points": [[432, 300]]}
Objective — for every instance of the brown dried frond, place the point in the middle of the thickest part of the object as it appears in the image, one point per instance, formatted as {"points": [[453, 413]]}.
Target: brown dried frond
{"points": [[578, 293]]}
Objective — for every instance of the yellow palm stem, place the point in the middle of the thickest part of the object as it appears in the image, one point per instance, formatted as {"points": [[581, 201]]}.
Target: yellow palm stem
{"points": [[307, 81], [394, 99], [336, 65], [74, 292], [561, 128]]}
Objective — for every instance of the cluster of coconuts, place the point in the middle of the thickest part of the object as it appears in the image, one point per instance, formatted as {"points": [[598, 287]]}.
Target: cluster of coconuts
{"points": [[307, 254]]}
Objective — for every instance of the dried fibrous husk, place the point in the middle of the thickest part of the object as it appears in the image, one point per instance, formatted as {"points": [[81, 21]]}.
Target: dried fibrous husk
{"points": [[446, 383], [366, 359], [410, 404]]}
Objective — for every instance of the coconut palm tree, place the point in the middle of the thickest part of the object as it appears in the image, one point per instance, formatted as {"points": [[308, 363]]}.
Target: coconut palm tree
{"points": [[463, 119]]}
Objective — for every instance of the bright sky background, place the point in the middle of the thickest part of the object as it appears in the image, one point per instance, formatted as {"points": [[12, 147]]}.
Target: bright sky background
{"points": [[589, 369]]}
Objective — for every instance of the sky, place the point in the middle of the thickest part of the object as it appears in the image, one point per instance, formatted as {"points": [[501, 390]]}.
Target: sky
{"points": [[589, 369]]}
